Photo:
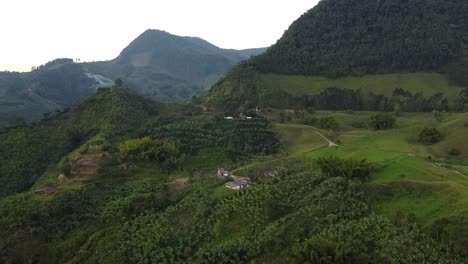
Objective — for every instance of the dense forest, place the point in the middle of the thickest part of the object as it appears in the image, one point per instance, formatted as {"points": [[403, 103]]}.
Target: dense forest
{"points": [[348, 37], [351, 38]]}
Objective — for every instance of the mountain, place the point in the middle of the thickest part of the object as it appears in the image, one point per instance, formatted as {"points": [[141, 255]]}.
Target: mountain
{"points": [[169, 67], [339, 39], [156, 64]]}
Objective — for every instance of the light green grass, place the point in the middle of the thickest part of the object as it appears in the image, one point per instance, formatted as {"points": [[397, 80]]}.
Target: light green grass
{"points": [[426, 83], [405, 180], [298, 138]]}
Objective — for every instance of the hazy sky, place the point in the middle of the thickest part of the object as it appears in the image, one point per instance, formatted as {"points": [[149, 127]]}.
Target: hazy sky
{"points": [[33, 32]]}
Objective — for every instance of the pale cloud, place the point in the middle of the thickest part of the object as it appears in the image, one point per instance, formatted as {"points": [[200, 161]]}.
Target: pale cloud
{"points": [[34, 32]]}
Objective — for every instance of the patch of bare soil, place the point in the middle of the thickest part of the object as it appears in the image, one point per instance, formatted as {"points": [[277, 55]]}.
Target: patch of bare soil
{"points": [[180, 184]]}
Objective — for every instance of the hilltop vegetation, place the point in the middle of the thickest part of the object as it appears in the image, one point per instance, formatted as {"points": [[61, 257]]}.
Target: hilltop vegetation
{"points": [[371, 49]]}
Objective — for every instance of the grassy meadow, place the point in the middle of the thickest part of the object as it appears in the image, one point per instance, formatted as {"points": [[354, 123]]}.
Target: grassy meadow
{"points": [[426, 83]]}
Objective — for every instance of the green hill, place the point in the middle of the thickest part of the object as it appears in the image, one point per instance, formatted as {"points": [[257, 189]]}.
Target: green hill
{"points": [[26, 151], [345, 44]]}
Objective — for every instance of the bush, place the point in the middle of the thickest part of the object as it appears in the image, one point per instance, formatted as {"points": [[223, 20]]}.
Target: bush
{"points": [[310, 121], [359, 123], [349, 168], [109, 167], [454, 152], [328, 123], [430, 136], [381, 121]]}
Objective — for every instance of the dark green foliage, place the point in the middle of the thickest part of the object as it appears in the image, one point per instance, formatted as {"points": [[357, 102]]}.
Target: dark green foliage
{"points": [[349, 168], [430, 135], [239, 138], [454, 152], [338, 99], [165, 153], [381, 121], [26, 152], [324, 251], [115, 112], [372, 37], [328, 123]]}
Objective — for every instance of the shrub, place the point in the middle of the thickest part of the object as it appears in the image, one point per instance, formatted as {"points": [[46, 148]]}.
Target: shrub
{"points": [[349, 168], [429, 136], [310, 121], [328, 123], [381, 121], [454, 152]]}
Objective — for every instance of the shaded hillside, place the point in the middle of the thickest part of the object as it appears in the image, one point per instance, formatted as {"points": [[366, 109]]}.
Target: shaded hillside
{"points": [[55, 85], [340, 38]]}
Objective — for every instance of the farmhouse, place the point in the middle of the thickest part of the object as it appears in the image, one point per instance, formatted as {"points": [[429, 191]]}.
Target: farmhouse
{"points": [[223, 173], [233, 185], [270, 173], [237, 185]]}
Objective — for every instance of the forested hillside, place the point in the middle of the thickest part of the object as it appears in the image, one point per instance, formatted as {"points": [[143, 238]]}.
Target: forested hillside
{"points": [[340, 38]]}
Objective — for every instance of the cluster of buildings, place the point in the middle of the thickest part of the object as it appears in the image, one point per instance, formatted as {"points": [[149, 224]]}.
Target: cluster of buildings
{"points": [[237, 183], [241, 117]]}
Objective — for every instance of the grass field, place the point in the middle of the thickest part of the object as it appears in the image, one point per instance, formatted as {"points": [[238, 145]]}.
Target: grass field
{"points": [[427, 83]]}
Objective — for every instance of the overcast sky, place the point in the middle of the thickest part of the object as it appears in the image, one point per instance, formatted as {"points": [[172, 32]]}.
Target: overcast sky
{"points": [[33, 32]]}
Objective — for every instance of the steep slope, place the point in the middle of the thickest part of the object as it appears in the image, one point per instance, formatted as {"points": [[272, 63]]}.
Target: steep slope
{"points": [[170, 67], [340, 38]]}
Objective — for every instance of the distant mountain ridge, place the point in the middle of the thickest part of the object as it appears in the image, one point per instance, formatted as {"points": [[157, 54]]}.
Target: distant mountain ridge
{"points": [[156, 64], [169, 67]]}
